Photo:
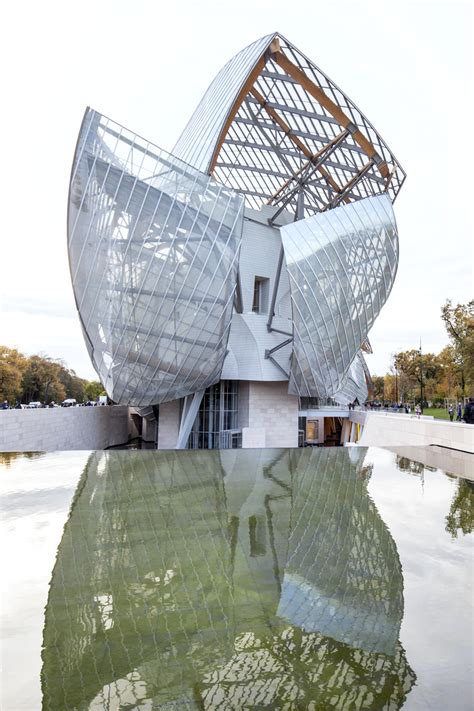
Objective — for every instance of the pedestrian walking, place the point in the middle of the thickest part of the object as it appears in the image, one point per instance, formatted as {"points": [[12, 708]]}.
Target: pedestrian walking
{"points": [[469, 412], [451, 412]]}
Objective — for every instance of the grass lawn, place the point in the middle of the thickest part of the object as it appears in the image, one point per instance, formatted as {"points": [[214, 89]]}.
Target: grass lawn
{"points": [[439, 412]]}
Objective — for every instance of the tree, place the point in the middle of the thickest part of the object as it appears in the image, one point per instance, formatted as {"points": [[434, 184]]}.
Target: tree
{"points": [[461, 513], [418, 369], [41, 380], [378, 387], [12, 367], [459, 322], [75, 386], [450, 383], [93, 389]]}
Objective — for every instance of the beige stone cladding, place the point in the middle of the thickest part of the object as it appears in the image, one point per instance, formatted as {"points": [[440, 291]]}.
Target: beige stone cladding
{"points": [[53, 429], [270, 407], [168, 425]]}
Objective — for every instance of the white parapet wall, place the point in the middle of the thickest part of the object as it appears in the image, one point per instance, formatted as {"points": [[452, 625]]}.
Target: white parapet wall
{"points": [[63, 428], [392, 430]]}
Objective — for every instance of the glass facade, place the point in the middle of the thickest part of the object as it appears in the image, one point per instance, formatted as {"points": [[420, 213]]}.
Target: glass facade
{"points": [[153, 248], [342, 265], [217, 423]]}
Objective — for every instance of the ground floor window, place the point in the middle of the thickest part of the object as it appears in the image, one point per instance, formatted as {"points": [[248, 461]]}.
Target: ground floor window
{"points": [[217, 423]]}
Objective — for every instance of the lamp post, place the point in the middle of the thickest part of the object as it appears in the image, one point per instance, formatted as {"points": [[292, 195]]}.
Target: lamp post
{"points": [[421, 378]]}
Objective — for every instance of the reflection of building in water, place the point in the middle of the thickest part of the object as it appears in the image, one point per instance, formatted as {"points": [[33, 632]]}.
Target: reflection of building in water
{"points": [[193, 580], [343, 575]]}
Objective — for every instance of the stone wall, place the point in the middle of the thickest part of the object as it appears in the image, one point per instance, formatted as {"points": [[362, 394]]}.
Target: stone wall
{"points": [[271, 409], [63, 428], [168, 425]]}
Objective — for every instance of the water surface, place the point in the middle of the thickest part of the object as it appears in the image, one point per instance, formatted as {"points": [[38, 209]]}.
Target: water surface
{"points": [[280, 579]]}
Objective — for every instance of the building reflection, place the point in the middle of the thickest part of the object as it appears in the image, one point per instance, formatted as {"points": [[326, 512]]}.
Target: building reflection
{"points": [[225, 579]]}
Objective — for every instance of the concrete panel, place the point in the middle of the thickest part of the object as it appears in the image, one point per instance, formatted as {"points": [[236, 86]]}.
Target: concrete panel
{"points": [[168, 426], [50, 430], [384, 430], [272, 408]]}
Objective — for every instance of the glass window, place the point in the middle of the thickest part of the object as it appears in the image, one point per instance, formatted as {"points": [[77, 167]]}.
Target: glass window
{"points": [[260, 295], [217, 423]]}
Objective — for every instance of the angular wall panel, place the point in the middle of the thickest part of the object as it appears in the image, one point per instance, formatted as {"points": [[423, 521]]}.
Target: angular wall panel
{"points": [[153, 248], [342, 265]]}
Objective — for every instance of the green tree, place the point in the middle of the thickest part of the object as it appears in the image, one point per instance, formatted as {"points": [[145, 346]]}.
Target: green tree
{"points": [[93, 389], [461, 513]]}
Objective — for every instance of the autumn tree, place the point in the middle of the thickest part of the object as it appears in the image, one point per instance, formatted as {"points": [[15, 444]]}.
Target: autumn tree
{"points": [[450, 380], [12, 367], [417, 368], [459, 322], [378, 387], [41, 380]]}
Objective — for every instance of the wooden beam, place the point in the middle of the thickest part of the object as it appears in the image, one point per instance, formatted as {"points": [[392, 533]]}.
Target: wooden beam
{"points": [[309, 162], [294, 139], [348, 186], [317, 93], [251, 79]]}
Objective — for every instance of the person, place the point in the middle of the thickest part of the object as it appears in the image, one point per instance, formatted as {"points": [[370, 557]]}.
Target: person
{"points": [[5, 405], [418, 411], [459, 412], [451, 412], [469, 412]]}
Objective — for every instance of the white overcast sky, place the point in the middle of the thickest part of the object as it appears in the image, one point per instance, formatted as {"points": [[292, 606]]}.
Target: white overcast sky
{"points": [[406, 64]]}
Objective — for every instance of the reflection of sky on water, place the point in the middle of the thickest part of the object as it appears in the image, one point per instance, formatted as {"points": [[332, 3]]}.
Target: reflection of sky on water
{"points": [[35, 496], [234, 577], [438, 582]]}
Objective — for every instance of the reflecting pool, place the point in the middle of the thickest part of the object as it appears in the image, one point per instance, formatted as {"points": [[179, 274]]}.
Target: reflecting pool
{"points": [[337, 578]]}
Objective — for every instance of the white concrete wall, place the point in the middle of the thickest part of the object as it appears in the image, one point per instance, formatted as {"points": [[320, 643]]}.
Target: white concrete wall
{"points": [[452, 461], [63, 428], [385, 430], [272, 409], [168, 425]]}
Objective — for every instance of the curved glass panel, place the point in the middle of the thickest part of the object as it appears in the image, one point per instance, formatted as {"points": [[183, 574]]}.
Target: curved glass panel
{"points": [[197, 143], [342, 265], [153, 249], [354, 386]]}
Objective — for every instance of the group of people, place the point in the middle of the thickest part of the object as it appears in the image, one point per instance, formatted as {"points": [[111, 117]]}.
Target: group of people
{"points": [[468, 415]]}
